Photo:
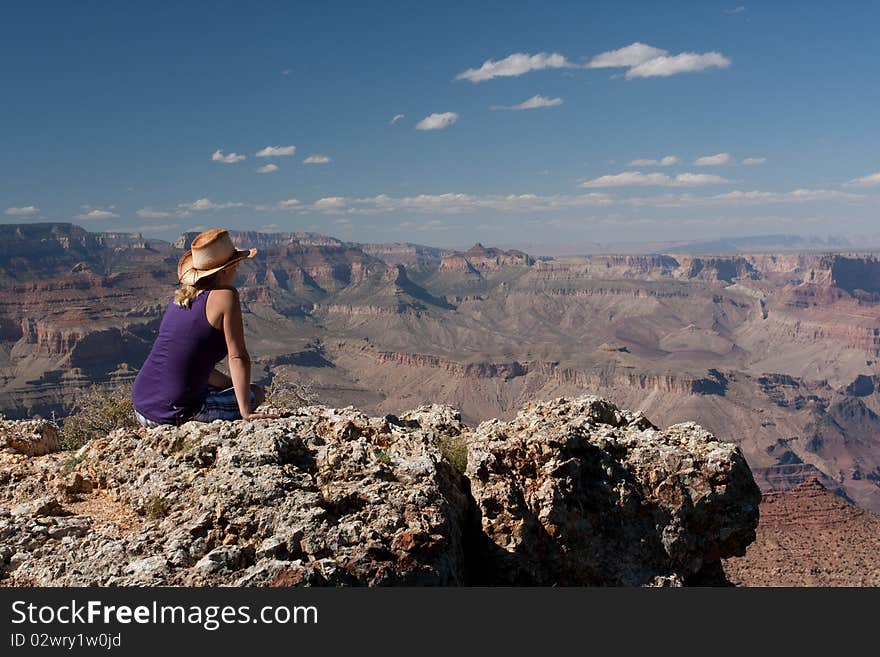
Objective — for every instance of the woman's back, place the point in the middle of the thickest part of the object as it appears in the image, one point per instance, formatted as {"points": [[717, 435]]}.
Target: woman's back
{"points": [[173, 382]]}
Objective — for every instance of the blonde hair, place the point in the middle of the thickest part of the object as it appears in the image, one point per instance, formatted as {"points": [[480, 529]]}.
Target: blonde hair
{"points": [[186, 294]]}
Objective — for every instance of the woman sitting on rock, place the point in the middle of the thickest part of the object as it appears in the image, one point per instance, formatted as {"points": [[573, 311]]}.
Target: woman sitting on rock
{"points": [[201, 326]]}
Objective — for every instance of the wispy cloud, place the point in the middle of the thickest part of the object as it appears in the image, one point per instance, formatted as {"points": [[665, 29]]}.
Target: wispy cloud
{"points": [[396, 118], [457, 203], [149, 213], [145, 228], [736, 10], [275, 151], [871, 180], [433, 224], [24, 211], [639, 179], [752, 161], [744, 198], [666, 161], [532, 103], [644, 61], [686, 62], [514, 65], [316, 159], [716, 160], [204, 204], [267, 168], [631, 55], [289, 204], [97, 214], [229, 158], [437, 121], [330, 204]]}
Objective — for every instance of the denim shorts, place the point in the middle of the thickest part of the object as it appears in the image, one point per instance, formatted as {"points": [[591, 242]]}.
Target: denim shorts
{"points": [[220, 404]]}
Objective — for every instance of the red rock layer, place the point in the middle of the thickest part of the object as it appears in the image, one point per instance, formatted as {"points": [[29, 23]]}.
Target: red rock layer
{"points": [[809, 537]]}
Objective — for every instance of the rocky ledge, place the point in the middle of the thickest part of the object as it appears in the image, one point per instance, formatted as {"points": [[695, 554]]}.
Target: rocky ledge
{"points": [[571, 492]]}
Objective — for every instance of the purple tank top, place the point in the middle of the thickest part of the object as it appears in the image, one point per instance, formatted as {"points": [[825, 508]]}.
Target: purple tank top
{"points": [[173, 383]]}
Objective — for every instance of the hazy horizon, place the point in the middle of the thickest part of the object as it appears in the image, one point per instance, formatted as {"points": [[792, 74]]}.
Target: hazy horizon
{"points": [[589, 123]]}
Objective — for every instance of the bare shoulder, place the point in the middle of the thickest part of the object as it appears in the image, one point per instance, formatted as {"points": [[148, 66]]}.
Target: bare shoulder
{"points": [[223, 297], [223, 302]]}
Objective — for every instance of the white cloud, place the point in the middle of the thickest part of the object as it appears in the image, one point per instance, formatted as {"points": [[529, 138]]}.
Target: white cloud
{"points": [[631, 55], [744, 198], [752, 161], [24, 211], [268, 168], [396, 118], [316, 159], [736, 10], [437, 121], [639, 179], [714, 160], [289, 204], [330, 204], [149, 213], [872, 180], [690, 179], [686, 62], [514, 65], [275, 151], [627, 179], [457, 203], [204, 204], [434, 224], [532, 103], [146, 228], [666, 161], [97, 214], [229, 158]]}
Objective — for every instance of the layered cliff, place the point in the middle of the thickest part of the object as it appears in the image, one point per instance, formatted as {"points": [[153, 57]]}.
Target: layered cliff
{"points": [[679, 335], [809, 537]]}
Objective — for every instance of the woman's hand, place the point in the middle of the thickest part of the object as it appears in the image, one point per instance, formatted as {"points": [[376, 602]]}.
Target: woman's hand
{"points": [[261, 416]]}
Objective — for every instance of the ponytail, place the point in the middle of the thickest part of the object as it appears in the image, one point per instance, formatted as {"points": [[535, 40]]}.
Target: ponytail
{"points": [[185, 295]]}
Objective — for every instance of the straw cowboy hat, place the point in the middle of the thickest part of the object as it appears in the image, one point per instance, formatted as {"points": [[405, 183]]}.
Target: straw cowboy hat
{"points": [[210, 252]]}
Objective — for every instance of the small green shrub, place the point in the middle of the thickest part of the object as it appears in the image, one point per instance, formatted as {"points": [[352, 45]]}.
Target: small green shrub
{"points": [[97, 412], [454, 450], [383, 457], [70, 464], [157, 507], [287, 394]]}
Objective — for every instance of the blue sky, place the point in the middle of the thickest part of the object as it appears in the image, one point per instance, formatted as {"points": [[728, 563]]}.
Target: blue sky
{"points": [[521, 122]]}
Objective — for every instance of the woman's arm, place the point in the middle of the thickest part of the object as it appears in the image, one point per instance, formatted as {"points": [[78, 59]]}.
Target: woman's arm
{"points": [[218, 379], [239, 359]]}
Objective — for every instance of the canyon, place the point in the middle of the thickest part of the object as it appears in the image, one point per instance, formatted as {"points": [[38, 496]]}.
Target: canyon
{"points": [[774, 352]]}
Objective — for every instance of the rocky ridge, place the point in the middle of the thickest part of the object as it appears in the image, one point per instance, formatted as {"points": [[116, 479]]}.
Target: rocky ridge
{"points": [[809, 537], [571, 492]]}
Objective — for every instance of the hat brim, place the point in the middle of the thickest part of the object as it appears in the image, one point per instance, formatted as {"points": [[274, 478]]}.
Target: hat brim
{"points": [[189, 275]]}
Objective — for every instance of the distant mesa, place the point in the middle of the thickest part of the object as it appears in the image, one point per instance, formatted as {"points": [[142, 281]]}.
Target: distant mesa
{"points": [[481, 259]]}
